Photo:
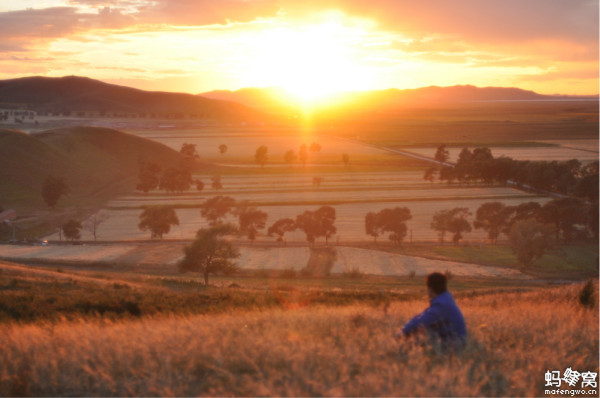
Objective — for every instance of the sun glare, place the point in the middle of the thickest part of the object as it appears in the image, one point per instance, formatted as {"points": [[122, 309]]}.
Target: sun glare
{"points": [[310, 63]]}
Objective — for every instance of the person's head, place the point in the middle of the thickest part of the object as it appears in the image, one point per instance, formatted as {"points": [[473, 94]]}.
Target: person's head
{"points": [[436, 284]]}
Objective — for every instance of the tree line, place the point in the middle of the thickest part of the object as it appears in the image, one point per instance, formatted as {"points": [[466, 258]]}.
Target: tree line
{"points": [[479, 165]]}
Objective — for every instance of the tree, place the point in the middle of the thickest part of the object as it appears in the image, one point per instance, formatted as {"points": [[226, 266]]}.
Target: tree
{"points": [[492, 217], [216, 209], [430, 174], [216, 182], [222, 149], [448, 173], [210, 253], [317, 181], [189, 151], [53, 189], [303, 154], [457, 224], [523, 211], [372, 225], [439, 223], [453, 221], [308, 224], [462, 170], [72, 230], [199, 184], [315, 147], [503, 169], [564, 214], [317, 223], [261, 157], [290, 157], [176, 180], [587, 185], [481, 164], [148, 176], [325, 216], [394, 221], [280, 227], [93, 223], [345, 159], [442, 155], [529, 240], [158, 220], [251, 220]]}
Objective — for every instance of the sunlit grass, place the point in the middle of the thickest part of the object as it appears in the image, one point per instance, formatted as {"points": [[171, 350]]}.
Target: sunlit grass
{"points": [[514, 338]]}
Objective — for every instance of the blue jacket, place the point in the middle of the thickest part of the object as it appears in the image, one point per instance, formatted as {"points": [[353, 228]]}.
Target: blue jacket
{"points": [[443, 318]]}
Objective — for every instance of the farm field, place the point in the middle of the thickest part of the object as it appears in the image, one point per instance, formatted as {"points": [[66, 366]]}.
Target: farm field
{"points": [[122, 223], [287, 193], [242, 144], [165, 257], [353, 192]]}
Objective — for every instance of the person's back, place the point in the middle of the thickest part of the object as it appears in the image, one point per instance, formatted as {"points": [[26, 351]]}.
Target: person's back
{"points": [[443, 318]]}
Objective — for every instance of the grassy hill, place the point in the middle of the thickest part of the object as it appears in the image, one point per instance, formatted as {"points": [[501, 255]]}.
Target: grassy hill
{"points": [[96, 163]]}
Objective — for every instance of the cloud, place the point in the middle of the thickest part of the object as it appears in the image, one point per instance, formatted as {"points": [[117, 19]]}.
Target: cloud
{"points": [[204, 12], [477, 20], [21, 30]]}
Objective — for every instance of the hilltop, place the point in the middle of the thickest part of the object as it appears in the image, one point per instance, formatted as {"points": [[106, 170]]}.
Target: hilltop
{"points": [[96, 163], [73, 95]]}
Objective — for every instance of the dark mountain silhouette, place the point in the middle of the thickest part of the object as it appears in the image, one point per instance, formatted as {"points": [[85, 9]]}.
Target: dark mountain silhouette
{"points": [[386, 100], [72, 94]]}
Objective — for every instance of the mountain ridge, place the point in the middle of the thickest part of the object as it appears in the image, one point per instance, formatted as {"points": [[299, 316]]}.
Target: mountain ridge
{"points": [[388, 99], [76, 93]]}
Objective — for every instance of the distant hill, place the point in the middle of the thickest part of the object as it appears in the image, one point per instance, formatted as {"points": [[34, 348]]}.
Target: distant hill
{"points": [[73, 94], [272, 99], [96, 163]]}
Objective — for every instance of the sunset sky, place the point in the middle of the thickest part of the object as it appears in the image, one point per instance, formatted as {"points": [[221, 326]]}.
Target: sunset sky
{"points": [[309, 47]]}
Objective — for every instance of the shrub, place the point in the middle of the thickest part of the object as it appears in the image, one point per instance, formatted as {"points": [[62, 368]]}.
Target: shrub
{"points": [[586, 295], [289, 273], [354, 273]]}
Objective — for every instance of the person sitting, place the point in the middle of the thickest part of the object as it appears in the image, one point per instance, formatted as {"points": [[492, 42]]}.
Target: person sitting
{"points": [[442, 319]]}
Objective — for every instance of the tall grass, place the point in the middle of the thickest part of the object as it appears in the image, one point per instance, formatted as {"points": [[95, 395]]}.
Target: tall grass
{"points": [[514, 338]]}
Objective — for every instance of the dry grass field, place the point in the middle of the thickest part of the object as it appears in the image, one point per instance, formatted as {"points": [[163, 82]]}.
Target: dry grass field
{"points": [[515, 337]]}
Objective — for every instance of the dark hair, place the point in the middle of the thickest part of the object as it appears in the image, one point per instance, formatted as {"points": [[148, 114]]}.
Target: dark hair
{"points": [[437, 282]]}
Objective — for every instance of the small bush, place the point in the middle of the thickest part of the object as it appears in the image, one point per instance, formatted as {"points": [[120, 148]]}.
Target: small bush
{"points": [[449, 275], [586, 295], [289, 273], [354, 273]]}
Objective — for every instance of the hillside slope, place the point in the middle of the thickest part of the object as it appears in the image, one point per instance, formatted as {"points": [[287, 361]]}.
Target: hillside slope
{"points": [[96, 163]]}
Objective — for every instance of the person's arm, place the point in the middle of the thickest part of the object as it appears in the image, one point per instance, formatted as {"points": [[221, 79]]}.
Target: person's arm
{"points": [[427, 318]]}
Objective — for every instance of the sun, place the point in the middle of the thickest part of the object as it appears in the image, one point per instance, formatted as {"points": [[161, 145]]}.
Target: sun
{"points": [[310, 62]]}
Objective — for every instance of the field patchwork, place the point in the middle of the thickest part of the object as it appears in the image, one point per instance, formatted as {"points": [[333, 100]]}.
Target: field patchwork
{"points": [[166, 256]]}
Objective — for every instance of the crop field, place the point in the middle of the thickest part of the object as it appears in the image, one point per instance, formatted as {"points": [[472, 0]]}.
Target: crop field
{"points": [[312, 348], [242, 145], [165, 257], [122, 223]]}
